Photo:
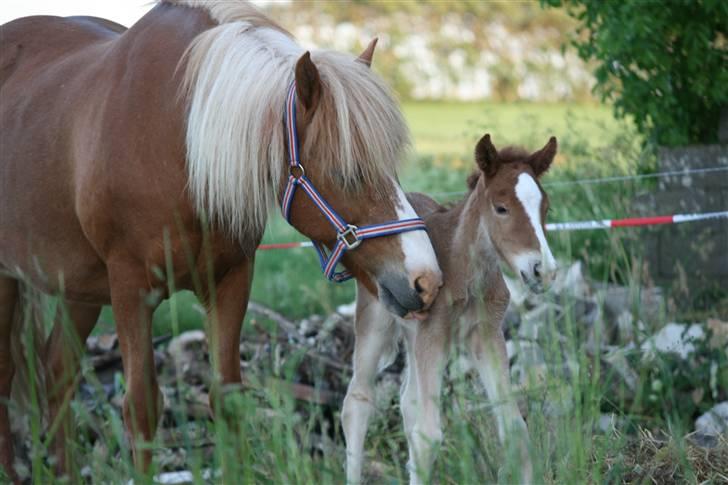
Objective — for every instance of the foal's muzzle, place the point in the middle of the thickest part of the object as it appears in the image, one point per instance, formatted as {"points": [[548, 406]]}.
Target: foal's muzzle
{"points": [[535, 276]]}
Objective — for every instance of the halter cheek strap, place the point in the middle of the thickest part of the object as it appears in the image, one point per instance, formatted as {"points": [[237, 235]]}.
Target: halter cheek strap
{"points": [[348, 236]]}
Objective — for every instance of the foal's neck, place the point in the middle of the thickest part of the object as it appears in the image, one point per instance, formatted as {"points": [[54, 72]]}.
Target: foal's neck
{"points": [[472, 253]]}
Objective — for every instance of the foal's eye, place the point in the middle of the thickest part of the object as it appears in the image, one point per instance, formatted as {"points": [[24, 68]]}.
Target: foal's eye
{"points": [[501, 210]]}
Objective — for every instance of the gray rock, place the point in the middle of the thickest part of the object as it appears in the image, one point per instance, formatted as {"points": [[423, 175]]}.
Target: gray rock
{"points": [[571, 282], [607, 423], [628, 328], [512, 319], [188, 353], [347, 310], [714, 422], [675, 338], [187, 348], [534, 322], [646, 303], [616, 359], [530, 366]]}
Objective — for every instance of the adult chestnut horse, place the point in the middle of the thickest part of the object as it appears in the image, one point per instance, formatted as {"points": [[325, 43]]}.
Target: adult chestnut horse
{"points": [[118, 144]]}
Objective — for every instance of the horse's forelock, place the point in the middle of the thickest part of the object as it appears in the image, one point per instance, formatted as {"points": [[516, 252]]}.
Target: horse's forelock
{"points": [[358, 130]]}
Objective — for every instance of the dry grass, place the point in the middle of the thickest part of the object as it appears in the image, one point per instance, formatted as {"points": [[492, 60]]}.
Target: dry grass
{"points": [[656, 457]]}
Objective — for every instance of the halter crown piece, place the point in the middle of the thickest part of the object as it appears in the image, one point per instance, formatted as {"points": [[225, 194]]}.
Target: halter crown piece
{"points": [[348, 236]]}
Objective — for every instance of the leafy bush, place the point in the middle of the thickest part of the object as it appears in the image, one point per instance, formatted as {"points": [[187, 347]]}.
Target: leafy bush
{"points": [[663, 63]]}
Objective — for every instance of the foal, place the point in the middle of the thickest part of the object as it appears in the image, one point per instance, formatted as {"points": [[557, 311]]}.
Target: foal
{"points": [[501, 219]]}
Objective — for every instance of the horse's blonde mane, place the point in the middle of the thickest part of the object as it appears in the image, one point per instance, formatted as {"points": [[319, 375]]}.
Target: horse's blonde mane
{"points": [[236, 78]]}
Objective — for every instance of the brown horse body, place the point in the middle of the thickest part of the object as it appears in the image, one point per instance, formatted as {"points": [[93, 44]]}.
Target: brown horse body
{"points": [[95, 201]]}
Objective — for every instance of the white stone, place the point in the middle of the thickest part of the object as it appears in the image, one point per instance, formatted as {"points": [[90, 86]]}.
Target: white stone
{"points": [[676, 338], [715, 421], [347, 310]]}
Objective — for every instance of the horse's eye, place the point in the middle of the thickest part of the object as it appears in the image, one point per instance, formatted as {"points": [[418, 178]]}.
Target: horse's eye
{"points": [[501, 210]]}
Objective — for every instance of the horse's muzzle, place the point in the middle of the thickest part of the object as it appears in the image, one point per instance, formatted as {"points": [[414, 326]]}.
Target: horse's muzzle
{"points": [[398, 296]]}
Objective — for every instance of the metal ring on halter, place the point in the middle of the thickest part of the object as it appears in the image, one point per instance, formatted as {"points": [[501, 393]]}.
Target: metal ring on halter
{"points": [[300, 167], [350, 231]]}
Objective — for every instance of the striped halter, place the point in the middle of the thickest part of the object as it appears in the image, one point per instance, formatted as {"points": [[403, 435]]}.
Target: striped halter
{"points": [[348, 236]]}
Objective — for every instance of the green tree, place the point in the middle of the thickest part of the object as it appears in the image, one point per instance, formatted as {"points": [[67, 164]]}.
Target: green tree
{"points": [[665, 63]]}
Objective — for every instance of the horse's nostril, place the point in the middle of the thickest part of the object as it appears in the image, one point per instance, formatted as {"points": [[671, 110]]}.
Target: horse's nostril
{"points": [[427, 286], [418, 285], [537, 270]]}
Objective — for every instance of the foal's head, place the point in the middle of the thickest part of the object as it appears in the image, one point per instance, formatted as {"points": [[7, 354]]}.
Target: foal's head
{"points": [[514, 207], [352, 135]]}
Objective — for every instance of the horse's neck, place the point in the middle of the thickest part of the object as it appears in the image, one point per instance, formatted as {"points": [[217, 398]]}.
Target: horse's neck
{"points": [[472, 259]]}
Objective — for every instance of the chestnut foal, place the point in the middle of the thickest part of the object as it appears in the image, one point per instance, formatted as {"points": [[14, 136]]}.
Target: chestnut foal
{"points": [[501, 219]]}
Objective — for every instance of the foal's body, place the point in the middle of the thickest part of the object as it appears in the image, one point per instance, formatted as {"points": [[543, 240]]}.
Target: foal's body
{"points": [[469, 241]]}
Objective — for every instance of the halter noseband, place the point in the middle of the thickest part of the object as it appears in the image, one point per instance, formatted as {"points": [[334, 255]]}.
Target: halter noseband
{"points": [[348, 236]]}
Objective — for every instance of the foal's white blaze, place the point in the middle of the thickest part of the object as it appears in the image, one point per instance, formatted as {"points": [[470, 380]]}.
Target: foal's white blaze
{"points": [[419, 254], [530, 197]]}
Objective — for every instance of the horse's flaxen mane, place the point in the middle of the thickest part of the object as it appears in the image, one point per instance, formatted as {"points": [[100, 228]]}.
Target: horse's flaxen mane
{"points": [[237, 75]]}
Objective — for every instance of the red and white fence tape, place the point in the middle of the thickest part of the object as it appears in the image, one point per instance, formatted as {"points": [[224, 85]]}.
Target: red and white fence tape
{"points": [[574, 226], [634, 221]]}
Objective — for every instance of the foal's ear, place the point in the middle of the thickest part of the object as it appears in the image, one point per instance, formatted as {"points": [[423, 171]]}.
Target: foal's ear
{"points": [[486, 156], [540, 161], [366, 56], [308, 83]]}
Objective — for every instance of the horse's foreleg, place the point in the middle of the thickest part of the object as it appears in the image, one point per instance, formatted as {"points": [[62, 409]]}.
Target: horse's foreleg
{"points": [[430, 356], [8, 301], [143, 401], [225, 320], [375, 333], [64, 351], [487, 348]]}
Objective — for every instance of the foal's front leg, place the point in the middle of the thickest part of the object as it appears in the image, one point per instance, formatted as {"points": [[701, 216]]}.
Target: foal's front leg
{"points": [[487, 348], [427, 355], [375, 333]]}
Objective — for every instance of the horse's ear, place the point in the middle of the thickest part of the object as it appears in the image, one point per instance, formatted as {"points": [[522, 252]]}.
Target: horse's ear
{"points": [[368, 54], [486, 156], [308, 83], [540, 161]]}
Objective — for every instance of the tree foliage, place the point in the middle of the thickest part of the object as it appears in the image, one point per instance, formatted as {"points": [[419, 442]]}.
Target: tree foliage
{"points": [[665, 63]]}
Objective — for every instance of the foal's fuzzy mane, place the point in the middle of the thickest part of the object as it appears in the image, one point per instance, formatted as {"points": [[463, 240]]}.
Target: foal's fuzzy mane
{"points": [[236, 78], [509, 154]]}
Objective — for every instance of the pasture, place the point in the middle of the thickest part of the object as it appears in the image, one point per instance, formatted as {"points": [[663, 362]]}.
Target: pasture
{"points": [[281, 440]]}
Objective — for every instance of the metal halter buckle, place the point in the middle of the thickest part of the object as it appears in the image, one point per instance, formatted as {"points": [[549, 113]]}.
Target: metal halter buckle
{"points": [[350, 232], [299, 167]]}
